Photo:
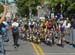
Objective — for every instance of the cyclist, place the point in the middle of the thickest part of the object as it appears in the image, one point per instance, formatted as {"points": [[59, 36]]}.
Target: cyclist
{"points": [[31, 29], [61, 31], [31, 24], [36, 26], [37, 30], [49, 28], [43, 30], [26, 25], [54, 31]]}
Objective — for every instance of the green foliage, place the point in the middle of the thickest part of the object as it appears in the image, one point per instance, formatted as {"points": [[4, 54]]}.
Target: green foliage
{"points": [[1, 9], [68, 6], [25, 5]]}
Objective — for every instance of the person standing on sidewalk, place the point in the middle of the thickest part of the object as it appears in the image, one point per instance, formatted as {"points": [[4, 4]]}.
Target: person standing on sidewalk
{"points": [[15, 32]]}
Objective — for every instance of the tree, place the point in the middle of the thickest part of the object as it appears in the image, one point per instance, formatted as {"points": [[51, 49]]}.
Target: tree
{"points": [[24, 6], [68, 6], [41, 1]]}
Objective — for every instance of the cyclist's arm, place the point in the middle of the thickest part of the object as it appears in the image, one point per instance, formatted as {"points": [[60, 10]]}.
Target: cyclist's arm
{"points": [[53, 27], [58, 27]]}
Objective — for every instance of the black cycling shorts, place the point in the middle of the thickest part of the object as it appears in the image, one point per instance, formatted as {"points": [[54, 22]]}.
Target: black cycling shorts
{"points": [[26, 26], [49, 28], [43, 27], [31, 26]]}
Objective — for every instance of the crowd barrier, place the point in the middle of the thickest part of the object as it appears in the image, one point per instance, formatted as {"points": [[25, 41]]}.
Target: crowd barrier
{"points": [[70, 37]]}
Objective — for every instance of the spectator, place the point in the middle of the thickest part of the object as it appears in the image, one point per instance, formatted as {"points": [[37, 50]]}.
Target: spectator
{"points": [[15, 32]]}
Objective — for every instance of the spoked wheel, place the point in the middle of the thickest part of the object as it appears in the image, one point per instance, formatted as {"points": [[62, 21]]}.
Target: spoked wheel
{"points": [[31, 39], [38, 41], [53, 42]]}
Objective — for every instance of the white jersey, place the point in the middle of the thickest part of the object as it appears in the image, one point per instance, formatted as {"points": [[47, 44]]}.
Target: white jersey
{"points": [[66, 25], [15, 24], [31, 23], [4, 22]]}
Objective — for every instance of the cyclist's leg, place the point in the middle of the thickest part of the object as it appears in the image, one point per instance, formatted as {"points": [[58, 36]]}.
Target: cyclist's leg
{"points": [[61, 38], [53, 40]]}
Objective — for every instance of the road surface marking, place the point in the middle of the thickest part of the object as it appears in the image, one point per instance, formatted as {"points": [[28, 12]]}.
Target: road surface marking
{"points": [[40, 49], [36, 50]]}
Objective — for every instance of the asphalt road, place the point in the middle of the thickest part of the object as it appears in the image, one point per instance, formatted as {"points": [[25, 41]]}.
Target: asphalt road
{"points": [[28, 48]]}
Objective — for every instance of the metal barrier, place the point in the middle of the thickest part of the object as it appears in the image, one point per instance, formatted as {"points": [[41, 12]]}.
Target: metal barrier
{"points": [[73, 36], [70, 37]]}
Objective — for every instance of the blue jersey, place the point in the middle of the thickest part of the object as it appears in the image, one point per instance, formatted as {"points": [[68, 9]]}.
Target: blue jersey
{"points": [[15, 29], [4, 29], [30, 20], [38, 25]]}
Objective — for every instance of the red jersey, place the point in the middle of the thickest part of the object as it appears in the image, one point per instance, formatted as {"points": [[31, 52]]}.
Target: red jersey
{"points": [[49, 24]]}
